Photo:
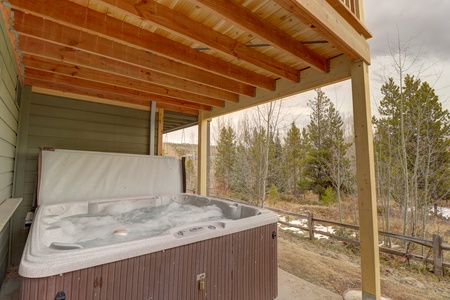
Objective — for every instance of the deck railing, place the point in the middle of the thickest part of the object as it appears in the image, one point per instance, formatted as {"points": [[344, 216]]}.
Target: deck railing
{"points": [[351, 5], [436, 246]]}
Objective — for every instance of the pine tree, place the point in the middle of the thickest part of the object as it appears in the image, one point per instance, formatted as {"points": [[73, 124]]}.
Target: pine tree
{"points": [[276, 174], [326, 163], [294, 152], [225, 159], [412, 157]]}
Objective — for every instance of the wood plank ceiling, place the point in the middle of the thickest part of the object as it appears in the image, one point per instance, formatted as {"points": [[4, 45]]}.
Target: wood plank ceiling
{"points": [[187, 56]]}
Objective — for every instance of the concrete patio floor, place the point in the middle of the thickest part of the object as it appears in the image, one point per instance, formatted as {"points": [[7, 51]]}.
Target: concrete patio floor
{"points": [[290, 287]]}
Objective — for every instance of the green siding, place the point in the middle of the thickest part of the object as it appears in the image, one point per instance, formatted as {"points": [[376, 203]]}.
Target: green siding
{"points": [[49, 121], [9, 115]]}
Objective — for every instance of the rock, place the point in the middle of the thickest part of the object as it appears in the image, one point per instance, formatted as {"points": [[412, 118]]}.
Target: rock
{"points": [[412, 281], [357, 295]]}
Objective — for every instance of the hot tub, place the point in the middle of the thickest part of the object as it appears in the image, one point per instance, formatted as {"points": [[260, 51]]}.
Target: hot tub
{"points": [[159, 246]]}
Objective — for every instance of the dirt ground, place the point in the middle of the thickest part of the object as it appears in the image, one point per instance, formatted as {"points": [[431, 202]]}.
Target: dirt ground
{"points": [[335, 266]]}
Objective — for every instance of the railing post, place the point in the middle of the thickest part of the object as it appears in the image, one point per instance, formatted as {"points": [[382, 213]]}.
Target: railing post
{"points": [[437, 255], [311, 225]]}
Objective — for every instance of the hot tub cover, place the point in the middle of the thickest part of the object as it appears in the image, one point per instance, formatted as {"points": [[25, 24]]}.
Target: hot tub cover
{"points": [[69, 175]]}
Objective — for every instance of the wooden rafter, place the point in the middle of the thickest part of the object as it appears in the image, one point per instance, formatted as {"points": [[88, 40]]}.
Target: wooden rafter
{"points": [[101, 48], [87, 20], [214, 56], [73, 71], [331, 25], [179, 24], [37, 52], [34, 76], [242, 17], [339, 71], [79, 93]]}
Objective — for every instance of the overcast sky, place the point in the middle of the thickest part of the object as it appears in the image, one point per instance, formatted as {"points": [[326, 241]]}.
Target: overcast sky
{"points": [[427, 22], [423, 28]]}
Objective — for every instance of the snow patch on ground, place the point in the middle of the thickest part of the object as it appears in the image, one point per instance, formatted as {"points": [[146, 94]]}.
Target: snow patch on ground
{"points": [[443, 211], [302, 223]]}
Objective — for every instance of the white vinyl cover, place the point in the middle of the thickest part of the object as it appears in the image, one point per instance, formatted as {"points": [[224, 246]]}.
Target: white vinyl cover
{"points": [[68, 175]]}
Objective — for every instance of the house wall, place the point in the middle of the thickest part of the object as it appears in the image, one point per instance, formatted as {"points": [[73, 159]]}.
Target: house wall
{"points": [[9, 115], [50, 121]]}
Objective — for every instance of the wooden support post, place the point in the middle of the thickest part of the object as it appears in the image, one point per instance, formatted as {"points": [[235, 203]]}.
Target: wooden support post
{"points": [[437, 255], [208, 158], [365, 171], [311, 225], [202, 154]]}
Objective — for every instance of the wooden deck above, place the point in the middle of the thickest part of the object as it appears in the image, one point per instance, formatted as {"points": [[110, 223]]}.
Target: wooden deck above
{"points": [[188, 56]]}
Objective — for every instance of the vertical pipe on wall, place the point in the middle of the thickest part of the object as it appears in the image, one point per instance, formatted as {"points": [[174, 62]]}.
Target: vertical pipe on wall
{"points": [[365, 171], [160, 131], [152, 128]]}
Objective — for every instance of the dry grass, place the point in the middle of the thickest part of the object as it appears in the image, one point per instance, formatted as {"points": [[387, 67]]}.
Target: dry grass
{"points": [[335, 266]]}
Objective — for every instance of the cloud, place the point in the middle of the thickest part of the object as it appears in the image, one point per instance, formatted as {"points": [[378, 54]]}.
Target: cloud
{"points": [[425, 23]]}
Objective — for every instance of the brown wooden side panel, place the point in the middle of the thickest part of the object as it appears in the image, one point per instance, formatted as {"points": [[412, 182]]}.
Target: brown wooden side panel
{"points": [[237, 266]]}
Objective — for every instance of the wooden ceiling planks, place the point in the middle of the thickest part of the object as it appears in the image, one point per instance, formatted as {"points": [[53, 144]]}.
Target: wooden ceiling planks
{"points": [[331, 25], [189, 55], [46, 42], [242, 17], [189, 29], [89, 21], [90, 74], [53, 55]]}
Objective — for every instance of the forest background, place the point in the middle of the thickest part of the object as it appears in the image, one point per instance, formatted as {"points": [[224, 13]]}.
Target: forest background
{"points": [[265, 156]]}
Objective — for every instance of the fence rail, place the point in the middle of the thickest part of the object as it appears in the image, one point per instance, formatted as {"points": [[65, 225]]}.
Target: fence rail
{"points": [[436, 245]]}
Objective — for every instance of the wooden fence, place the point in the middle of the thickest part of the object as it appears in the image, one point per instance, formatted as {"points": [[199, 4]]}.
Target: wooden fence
{"points": [[436, 245]]}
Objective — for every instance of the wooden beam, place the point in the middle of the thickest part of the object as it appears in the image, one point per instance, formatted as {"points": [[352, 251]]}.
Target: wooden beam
{"points": [[242, 17], [365, 171], [74, 71], [179, 24], [87, 20], [100, 49], [202, 155], [37, 48], [311, 79], [136, 104], [59, 90], [36, 77], [319, 14]]}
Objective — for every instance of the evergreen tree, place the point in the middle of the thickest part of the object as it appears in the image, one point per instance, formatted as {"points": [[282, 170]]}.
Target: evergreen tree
{"points": [[424, 168], [276, 175], [294, 152], [225, 159], [326, 164]]}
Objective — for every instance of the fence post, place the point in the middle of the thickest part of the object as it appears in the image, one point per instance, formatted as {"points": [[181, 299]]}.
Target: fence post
{"points": [[437, 255], [311, 225]]}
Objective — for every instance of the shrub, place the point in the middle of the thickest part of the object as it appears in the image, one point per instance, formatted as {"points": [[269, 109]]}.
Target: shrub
{"points": [[329, 196]]}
